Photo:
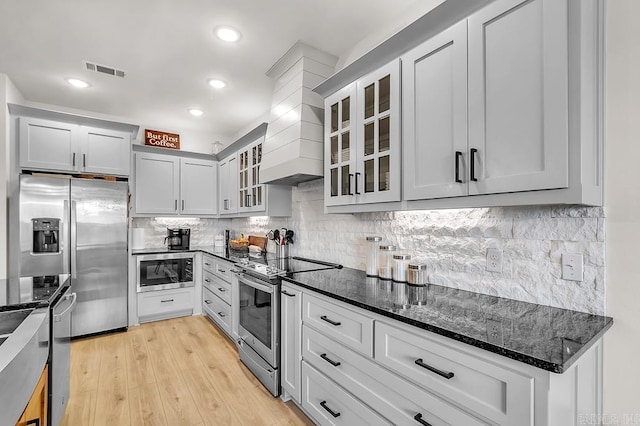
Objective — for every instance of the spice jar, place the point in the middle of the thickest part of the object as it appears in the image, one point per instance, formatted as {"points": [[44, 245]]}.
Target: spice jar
{"points": [[417, 273], [400, 262], [385, 261], [372, 257]]}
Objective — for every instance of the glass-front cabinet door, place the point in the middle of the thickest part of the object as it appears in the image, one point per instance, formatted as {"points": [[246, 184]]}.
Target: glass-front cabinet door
{"points": [[340, 139], [378, 107], [251, 193], [362, 140]]}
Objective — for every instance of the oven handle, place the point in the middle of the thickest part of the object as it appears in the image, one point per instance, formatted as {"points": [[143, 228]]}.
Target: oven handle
{"points": [[243, 278]]}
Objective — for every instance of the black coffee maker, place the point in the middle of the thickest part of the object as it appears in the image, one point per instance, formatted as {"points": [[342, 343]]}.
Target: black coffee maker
{"points": [[178, 238]]}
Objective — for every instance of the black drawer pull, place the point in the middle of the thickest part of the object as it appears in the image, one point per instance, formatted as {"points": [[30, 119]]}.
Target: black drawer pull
{"points": [[324, 318], [329, 360], [166, 301], [446, 375], [208, 302], [473, 164], [207, 280], [458, 155], [418, 418], [208, 264], [323, 404], [287, 294], [222, 290], [222, 271], [222, 315]]}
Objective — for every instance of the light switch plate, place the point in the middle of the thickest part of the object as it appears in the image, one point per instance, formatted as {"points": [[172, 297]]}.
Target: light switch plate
{"points": [[572, 267]]}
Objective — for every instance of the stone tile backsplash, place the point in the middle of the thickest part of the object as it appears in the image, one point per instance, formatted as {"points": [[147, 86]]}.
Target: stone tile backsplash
{"points": [[452, 243]]}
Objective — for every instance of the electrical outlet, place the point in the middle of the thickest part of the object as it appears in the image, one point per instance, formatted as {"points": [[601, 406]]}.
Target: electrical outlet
{"points": [[495, 334], [494, 260], [572, 267]]}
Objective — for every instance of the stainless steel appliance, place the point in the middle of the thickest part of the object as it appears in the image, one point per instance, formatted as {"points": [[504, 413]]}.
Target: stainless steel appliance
{"points": [[259, 312], [60, 354], [164, 271], [178, 238], [78, 226]]}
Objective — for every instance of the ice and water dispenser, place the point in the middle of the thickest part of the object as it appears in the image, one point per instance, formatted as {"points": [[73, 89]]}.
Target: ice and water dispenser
{"points": [[46, 232]]}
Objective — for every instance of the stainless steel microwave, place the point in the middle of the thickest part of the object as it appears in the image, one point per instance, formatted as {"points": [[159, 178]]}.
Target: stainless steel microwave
{"points": [[164, 271]]}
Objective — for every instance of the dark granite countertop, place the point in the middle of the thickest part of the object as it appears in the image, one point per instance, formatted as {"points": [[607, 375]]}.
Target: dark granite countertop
{"points": [[545, 337], [231, 255], [31, 292]]}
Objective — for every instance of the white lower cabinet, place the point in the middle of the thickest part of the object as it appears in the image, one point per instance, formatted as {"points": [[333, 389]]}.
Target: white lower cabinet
{"points": [[163, 304], [217, 292], [290, 338], [329, 404], [360, 368], [216, 309]]}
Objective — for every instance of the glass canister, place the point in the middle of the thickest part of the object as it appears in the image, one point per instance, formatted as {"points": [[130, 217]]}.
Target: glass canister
{"points": [[385, 261], [400, 263], [417, 273], [372, 257]]}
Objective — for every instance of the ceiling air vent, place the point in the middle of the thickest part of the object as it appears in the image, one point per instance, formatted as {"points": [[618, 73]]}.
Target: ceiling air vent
{"points": [[90, 66]]}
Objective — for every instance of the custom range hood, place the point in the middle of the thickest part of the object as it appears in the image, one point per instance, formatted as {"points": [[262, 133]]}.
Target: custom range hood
{"points": [[293, 148]]}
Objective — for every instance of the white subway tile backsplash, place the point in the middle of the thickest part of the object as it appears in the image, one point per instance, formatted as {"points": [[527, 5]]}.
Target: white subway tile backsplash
{"points": [[452, 243]]}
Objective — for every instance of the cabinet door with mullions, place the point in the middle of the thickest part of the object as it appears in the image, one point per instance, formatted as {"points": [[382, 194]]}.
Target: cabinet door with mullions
{"points": [[340, 109], [377, 178]]}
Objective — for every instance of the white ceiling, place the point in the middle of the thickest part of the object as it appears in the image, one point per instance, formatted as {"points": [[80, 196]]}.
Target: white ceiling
{"points": [[168, 51]]}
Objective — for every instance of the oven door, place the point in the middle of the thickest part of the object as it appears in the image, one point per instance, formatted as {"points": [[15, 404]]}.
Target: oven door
{"points": [[259, 312], [164, 271]]}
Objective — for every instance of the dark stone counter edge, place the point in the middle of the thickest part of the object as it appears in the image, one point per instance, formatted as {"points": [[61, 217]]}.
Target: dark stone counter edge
{"points": [[526, 359]]}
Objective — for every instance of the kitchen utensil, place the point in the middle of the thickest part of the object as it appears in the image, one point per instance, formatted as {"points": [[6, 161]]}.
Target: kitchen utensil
{"points": [[276, 236], [270, 235], [289, 236]]}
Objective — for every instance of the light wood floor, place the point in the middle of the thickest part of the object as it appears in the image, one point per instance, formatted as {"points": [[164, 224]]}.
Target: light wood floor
{"points": [[176, 372]]}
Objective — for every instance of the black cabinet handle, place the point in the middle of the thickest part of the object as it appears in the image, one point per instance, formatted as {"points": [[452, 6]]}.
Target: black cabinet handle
{"points": [[458, 155], [74, 160], [84, 160], [473, 164], [221, 289], [166, 301], [329, 360], [182, 204], [208, 264], [208, 302], [222, 271], [349, 184], [446, 375], [357, 174], [207, 280], [418, 418], [222, 315], [176, 205], [323, 404], [287, 294], [324, 318]]}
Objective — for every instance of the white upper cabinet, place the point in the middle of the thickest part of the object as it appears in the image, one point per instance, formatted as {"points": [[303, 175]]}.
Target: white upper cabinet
{"points": [[518, 96], [362, 140], [251, 193], [171, 185], [434, 93], [106, 151], [198, 186], [58, 146], [228, 178]]}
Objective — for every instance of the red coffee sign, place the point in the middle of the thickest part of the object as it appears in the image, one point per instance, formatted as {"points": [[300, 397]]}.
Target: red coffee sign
{"points": [[161, 139]]}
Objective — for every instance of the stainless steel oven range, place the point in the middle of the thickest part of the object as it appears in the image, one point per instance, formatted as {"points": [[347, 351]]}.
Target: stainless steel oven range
{"points": [[259, 313], [163, 271]]}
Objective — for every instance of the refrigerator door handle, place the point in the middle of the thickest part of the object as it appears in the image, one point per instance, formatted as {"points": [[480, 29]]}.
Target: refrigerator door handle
{"points": [[74, 241], [65, 245]]}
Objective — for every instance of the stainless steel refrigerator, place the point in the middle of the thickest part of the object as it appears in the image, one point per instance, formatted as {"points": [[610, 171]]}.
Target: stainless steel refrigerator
{"points": [[78, 226]]}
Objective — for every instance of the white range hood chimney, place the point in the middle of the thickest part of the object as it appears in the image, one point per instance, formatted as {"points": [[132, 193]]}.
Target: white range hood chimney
{"points": [[294, 143]]}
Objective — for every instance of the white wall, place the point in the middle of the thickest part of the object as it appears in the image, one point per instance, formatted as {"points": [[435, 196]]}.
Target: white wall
{"points": [[622, 207]]}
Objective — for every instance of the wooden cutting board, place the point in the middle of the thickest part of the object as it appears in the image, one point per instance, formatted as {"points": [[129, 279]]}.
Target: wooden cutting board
{"points": [[258, 241]]}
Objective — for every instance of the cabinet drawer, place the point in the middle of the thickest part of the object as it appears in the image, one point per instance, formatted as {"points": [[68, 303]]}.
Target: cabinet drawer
{"points": [[217, 267], [502, 395], [331, 405], [217, 286], [341, 323], [216, 309], [158, 303], [393, 397]]}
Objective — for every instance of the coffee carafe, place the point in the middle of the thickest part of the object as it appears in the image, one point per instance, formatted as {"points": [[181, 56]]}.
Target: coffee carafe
{"points": [[178, 238]]}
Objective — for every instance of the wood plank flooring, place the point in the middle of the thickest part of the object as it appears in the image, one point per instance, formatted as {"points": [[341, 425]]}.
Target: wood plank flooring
{"points": [[182, 371]]}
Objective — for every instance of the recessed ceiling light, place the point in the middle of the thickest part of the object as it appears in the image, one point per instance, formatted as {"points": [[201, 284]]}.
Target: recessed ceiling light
{"points": [[77, 83], [217, 84], [227, 34], [196, 112]]}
